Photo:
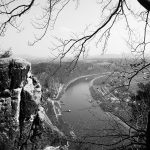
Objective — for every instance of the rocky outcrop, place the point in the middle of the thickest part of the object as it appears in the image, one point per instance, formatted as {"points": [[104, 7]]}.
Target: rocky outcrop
{"points": [[26, 120]]}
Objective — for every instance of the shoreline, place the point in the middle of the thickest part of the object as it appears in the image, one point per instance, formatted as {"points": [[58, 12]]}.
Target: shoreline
{"points": [[64, 87], [98, 97], [123, 126]]}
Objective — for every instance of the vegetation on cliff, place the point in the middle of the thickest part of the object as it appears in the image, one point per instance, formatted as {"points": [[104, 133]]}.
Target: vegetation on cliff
{"points": [[130, 105], [24, 122]]}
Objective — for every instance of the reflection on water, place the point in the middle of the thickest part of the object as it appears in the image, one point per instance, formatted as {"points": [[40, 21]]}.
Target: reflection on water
{"points": [[86, 117]]}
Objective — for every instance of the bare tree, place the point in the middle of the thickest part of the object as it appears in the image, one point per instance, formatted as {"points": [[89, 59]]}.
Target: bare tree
{"points": [[12, 10], [111, 11]]}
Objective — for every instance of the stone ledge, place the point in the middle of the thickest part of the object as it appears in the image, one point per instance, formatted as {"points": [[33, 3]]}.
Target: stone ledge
{"points": [[12, 72]]}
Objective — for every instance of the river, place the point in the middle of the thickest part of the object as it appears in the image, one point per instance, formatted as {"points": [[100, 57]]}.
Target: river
{"points": [[89, 122]]}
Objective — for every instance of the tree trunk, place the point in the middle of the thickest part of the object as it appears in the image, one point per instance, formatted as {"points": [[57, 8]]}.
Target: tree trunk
{"points": [[148, 133], [145, 4]]}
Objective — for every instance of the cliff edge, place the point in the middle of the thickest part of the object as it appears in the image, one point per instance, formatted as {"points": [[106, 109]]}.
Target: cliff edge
{"points": [[24, 122]]}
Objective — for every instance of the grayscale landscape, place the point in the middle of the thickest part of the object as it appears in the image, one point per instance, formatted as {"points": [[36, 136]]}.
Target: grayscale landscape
{"points": [[74, 75]]}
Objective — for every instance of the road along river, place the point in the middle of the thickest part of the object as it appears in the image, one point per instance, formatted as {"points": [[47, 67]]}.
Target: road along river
{"points": [[89, 122]]}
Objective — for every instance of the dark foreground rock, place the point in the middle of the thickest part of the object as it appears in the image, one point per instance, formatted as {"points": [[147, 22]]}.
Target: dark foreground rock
{"points": [[24, 123]]}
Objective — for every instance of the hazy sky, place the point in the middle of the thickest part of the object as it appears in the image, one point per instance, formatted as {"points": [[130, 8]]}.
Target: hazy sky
{"points": [[71, 20]]}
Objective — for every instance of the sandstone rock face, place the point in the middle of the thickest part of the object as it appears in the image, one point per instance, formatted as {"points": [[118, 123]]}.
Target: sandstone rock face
{"points": [[24, 123]]}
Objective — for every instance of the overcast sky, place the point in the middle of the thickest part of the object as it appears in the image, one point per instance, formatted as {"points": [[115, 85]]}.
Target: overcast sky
{"points": [[71, 20]]}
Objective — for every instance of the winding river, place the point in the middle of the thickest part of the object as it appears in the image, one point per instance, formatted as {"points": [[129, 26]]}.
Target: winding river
{"points": [[89, 122]]}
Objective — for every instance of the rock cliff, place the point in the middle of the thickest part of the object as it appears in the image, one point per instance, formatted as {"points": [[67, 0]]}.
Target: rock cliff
{"points": [[27, 121]]}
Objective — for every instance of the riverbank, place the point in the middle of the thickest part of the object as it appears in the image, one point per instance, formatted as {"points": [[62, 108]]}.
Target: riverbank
{"points": [[106, 100], [87, 118], [109, 103], [64, 87], [81, 78], [60, 92]]}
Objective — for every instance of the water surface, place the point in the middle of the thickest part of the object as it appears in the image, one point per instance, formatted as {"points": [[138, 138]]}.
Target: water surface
{"points": [[87, 119]]}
